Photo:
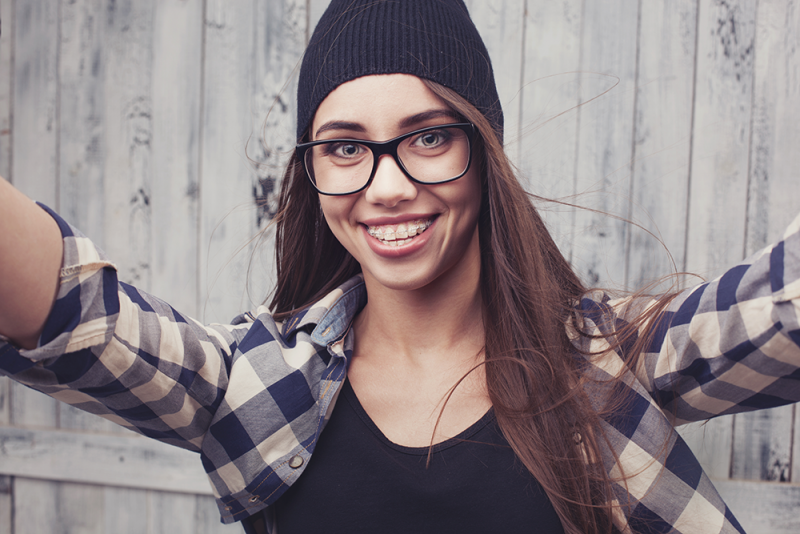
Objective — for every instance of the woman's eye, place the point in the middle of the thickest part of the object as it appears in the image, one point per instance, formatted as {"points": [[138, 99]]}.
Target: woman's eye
{"points": [[431, 139], [343, 150]]}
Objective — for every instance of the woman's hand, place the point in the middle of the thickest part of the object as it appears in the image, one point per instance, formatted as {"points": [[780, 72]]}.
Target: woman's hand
{"points": [[30, 260]]}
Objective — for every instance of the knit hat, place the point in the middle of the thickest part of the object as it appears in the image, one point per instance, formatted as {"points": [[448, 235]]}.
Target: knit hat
{"points": [[431, 39]]}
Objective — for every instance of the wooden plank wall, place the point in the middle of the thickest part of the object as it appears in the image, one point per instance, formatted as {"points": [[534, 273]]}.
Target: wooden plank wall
{"points": [[142, 123]]}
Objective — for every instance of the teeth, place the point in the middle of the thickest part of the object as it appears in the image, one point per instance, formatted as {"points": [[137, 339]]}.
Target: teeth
{"points": [[399, 234]]}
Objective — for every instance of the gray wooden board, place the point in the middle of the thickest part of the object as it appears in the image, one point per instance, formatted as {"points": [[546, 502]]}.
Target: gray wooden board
{"points": [[34, 93], [605, 140], [176, 93], [762, 507], [6, 84], [227, 216], [116, 460], [721, 137], [662, 141], [774, 186], [549, 117], [6, 503], [502, 27], [35, 141], [35, 506]]}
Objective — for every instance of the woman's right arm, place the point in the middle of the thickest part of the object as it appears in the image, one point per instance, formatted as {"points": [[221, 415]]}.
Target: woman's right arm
{"points": [[72, 330], [30, 259]]}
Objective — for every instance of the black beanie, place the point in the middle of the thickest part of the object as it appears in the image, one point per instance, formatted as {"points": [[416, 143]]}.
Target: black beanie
{"points": [[432, 39]]}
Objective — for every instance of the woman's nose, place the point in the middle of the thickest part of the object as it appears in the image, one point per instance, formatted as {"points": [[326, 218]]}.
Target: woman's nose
{"points": [[390, 185]]}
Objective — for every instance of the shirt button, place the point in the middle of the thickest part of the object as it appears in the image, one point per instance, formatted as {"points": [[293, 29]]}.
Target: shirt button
{"points": [[296, 461], [254, 498]]}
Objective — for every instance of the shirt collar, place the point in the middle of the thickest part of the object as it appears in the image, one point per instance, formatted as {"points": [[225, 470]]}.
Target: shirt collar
{"points": [[331, 316]]}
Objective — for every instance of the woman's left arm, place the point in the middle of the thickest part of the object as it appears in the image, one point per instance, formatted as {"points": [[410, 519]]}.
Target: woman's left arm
{"points": [[732, 344]]}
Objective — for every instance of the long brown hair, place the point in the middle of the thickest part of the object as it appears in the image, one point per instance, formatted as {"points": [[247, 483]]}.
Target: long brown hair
{"points": [[529, 293]]}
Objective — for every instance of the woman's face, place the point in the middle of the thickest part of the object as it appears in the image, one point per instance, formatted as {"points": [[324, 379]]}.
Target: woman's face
{"points": [[370, 223]]}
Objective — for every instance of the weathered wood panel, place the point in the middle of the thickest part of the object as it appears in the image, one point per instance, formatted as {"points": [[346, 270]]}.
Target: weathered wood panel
{"points": [[177, 45], [6, 117], [762, 446], [721, 138], [763, 508], [719, 164], [6, 86], [35, 506], [35, 115], [6, 91], [127, 460], [605, 140], [280, 37], [662, 140], [502, 27], [550, 95], [227, 217], [34, 170]]}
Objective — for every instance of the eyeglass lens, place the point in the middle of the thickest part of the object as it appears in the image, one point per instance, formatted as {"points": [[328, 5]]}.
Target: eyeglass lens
{"points": [[432, 156]]}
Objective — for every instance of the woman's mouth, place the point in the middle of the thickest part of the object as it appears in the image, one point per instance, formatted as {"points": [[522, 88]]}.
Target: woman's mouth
{"points": [[395, 235]]}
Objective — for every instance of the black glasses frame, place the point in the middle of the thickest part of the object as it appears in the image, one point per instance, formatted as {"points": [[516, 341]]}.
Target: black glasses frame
{"points": [[379, 148]]}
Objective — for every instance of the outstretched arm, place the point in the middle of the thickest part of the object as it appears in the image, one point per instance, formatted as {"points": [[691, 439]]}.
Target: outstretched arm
{"points": [[30, 259]]}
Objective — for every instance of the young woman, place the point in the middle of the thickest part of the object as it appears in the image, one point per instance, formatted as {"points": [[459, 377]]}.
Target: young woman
{"points": [[429, 362]]}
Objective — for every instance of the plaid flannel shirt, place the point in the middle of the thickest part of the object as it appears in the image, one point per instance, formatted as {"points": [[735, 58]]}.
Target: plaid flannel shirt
{"points": [[252, 397]]}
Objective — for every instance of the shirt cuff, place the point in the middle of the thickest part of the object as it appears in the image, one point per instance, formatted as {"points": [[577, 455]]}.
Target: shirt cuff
{"points": [[86, 304]]}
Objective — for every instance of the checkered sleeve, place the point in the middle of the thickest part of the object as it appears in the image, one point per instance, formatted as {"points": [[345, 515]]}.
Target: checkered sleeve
{"points": [[115, 351], [732, 344]]}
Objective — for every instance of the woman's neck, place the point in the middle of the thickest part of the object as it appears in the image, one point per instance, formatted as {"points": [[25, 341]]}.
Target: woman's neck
{"points": [[442, 320], [417, 352]]}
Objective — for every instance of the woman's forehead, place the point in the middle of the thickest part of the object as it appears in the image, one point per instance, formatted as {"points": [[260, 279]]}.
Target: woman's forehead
{"points": [[380, 101]]}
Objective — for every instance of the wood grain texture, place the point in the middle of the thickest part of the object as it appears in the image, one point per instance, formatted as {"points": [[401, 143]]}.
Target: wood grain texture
{"points": [[6, 86], [762, 441], [172, 513], [550, 96], [116, 460], [34, 162], [80, 508], [761, 507], [710, 442], [176, 93], [6, 503], [502, 27], [82, 140], [127, 510], [34, 93], [721, 139], [35, 506], [774, 186], [280, 36], [605, 140], [762, 445], [228, 218], [315, 10], [794, 475], [662, 141]]}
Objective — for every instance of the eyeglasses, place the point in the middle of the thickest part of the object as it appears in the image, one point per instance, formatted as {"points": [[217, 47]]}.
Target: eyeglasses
{"points": [[432, 155]]}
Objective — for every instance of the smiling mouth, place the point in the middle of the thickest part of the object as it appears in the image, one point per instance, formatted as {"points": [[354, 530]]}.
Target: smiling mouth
{"points": [[395, 235]]}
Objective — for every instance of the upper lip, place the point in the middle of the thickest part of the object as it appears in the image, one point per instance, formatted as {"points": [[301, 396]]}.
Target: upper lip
{"points": [[397, 219]]}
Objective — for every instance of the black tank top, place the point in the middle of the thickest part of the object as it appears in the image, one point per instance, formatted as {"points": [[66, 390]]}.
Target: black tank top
{"points": [[358, 481]]}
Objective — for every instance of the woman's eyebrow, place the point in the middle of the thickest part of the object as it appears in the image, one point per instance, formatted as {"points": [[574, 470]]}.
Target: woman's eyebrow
{"points": [[405, 123], [428, 115], [340, 125]]}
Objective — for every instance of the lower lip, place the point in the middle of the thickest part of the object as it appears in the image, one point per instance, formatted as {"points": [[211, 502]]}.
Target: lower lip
{"points": [[389, 251]]}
